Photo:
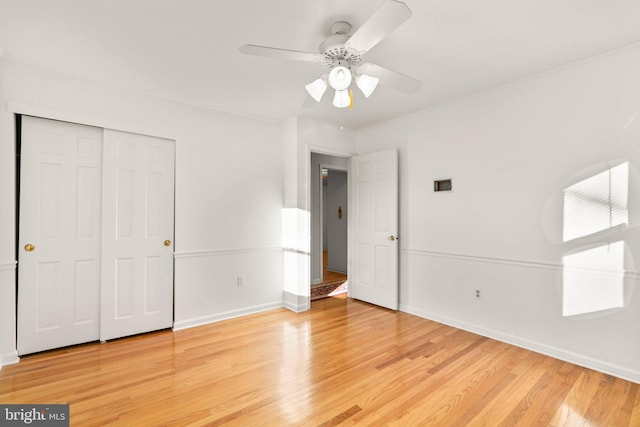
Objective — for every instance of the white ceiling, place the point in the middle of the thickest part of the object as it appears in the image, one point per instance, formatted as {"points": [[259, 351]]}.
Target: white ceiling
{"points": [[187, 50]]}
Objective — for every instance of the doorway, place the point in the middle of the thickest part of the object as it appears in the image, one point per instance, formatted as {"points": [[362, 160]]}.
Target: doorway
{"points": [[329, 229], [373, 224]]}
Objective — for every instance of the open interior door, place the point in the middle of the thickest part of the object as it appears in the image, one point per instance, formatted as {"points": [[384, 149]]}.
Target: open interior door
{"points": [[373, 273]]}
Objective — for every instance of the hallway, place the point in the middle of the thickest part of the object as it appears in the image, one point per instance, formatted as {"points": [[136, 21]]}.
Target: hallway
{"points": [[333, 283]]}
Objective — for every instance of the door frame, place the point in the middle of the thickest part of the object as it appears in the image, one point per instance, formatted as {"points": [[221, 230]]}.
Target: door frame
{"points": [[330, 167], [317, 149]]}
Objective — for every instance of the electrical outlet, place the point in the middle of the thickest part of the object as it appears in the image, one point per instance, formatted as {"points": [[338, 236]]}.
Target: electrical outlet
{"points": [[478, 293], [241, 280]]}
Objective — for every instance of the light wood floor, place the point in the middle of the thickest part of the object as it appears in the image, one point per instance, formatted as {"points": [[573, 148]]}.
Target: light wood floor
{"points": [[343, 361], [329, 276]]}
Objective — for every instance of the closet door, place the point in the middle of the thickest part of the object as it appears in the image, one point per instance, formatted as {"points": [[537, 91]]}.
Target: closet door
{"points": [[59, 235], [137, 234]]}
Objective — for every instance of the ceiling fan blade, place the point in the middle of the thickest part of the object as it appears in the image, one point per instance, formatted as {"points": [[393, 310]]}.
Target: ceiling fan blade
{"points": [[273, 52], [391, 78], [310, 103], [389, 16]]}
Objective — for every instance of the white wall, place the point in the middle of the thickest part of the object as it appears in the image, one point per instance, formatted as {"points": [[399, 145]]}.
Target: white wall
{"points": [[229, 188], [324, 216], [7, 232], [337, 238], [511, 152]]}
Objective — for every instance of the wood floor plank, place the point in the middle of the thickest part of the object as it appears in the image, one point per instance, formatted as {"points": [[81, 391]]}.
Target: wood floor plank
{"points": [[635, 415], [343, 362], [460, 387], [538, 406], [612, 389], [386, 388], [573, 410]]}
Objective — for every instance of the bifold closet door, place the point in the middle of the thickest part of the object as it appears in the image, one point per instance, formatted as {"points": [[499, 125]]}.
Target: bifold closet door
{"points": [[59, 234], [96, 234], [137, 234]]}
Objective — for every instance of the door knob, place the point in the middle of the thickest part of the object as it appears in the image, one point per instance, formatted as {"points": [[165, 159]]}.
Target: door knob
{"points": [[29, 247], [392, 238], [167, 242]]}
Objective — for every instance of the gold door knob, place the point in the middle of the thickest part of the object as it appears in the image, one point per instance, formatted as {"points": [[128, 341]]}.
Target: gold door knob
{"points": [[29, 247], [167, 242], [392, 238]]}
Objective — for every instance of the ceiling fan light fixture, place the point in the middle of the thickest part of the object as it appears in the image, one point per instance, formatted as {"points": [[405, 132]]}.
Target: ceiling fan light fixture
{"points": [[342, 52], [340, 77], [316, 89], [367, 84], [341, 99]]}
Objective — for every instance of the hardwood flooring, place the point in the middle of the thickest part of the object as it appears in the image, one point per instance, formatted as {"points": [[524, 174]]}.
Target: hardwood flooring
{"points": [[329, 276], [344, 361]]}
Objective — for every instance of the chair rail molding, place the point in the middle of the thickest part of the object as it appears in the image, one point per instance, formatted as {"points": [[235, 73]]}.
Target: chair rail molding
{"points": [[631, 274], [229, 251], [8, 265]]}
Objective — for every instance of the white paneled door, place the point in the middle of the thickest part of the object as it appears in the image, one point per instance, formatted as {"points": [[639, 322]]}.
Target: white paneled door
{"points": [[96, 234], [373, 274], [59, 235], [137, 238]]}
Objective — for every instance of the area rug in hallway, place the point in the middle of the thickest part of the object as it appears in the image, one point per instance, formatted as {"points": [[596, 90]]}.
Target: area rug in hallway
{"points": [[324, 290]]}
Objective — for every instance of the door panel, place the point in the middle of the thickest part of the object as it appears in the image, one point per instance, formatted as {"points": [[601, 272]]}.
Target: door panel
{"points": [[375, 228], [137, 274], [60, 207]]}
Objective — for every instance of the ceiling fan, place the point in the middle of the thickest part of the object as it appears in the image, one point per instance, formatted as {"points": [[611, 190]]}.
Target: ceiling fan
{"points": [[342, 53]]}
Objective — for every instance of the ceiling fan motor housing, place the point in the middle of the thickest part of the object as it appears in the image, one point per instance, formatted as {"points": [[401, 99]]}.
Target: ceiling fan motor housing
{"points": [[332, 49]]}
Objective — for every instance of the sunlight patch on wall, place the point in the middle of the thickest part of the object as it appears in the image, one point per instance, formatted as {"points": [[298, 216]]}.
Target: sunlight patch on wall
{"points": [[295, 243], [295, 229], [593, 280], [596, 203]]}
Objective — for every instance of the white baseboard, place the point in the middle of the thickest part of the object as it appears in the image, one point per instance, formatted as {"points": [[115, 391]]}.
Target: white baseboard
{"points": [[9, 359], [297, 308], [547, 350], [204, 320], [296, 303]]}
